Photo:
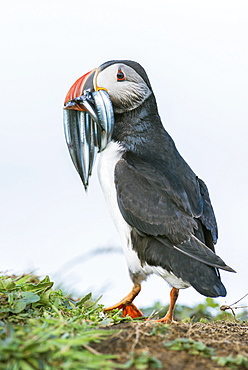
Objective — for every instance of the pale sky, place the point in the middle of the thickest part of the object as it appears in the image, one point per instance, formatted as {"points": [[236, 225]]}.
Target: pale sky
{"points": [[196, 56]]}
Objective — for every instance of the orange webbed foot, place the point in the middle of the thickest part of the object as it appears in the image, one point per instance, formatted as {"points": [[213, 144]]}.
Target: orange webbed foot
{"points": [[131, 310], [126, 305]]}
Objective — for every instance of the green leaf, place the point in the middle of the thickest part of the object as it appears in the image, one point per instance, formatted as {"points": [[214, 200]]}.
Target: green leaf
{"points": [[18, 306], [40, 287], [29, 297], [25, 299], [23, 280], [83, 300], [190, 345], [24, 365], [6, 284], [211, 303], [200, 346]]}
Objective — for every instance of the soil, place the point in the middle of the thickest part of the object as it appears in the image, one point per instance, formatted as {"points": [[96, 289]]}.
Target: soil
{"points": [[226, 338]]}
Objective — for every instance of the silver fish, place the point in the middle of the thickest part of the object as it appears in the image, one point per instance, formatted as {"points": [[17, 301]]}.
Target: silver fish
{"points": [[88, 131]]}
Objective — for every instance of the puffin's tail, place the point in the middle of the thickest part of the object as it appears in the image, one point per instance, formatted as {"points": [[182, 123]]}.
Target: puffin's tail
{"points": [[196, 249], [206, 280], [201, 275]]}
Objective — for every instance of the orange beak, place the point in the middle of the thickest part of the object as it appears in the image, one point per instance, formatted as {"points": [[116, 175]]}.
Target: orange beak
{"points": [[77, 89]]}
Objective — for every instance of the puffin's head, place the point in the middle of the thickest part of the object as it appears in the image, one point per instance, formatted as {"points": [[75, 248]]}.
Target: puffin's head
{"points": [[116, 86], [126, 83]]}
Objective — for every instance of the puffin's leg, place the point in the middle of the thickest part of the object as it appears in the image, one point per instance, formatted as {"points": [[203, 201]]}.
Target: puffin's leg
{"points": [[173, 298], [128, 308]]}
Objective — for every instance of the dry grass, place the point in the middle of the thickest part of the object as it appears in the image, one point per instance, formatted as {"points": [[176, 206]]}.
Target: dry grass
{"points": [[226, 338]]}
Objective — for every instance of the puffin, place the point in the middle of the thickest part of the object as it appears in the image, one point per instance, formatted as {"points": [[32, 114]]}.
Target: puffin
{"points": [[161, 208]]}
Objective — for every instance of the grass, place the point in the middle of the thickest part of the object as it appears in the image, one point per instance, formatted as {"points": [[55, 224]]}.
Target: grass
{"points": [[198, 348], [43, 328]]}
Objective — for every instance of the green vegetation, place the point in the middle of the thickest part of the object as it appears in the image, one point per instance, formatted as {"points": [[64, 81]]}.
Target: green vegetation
{"points": [[191, 346], [198, 348], [234, 362], [43, 328], [143, 361], [204, 312]]}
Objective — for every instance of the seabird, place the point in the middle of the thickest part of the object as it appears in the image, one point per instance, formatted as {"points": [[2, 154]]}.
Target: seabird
{"points": [[161, 209]]}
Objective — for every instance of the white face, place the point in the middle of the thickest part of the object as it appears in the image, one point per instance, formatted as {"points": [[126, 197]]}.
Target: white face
{"points": [[126, 88]]}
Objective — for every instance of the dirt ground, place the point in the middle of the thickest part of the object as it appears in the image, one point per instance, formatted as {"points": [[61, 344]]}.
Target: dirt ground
{"points": [[226, 338]]}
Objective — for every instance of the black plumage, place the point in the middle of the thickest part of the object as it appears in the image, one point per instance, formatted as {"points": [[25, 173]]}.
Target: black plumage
{"points": [[170, 227], [167, 205]]}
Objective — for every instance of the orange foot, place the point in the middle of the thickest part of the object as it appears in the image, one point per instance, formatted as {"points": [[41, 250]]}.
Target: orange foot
{"points": [[166, 320], [128, 308], [131, 310]]}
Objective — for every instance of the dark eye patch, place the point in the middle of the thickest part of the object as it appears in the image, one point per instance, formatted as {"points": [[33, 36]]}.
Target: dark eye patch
{"points": [[120, 75]]}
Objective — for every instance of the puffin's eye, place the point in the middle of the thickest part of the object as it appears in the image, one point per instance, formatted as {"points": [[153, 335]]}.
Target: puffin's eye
{"points": [[120, 76]]}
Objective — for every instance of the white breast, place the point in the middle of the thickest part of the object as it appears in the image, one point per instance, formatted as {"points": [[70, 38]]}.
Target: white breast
{"points": [[106, 167]]}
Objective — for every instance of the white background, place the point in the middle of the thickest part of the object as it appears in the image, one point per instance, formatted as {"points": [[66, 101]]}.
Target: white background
{"points": [[196, 56]]}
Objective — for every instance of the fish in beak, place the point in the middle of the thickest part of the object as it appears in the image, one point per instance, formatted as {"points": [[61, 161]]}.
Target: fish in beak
{"points": [[88, 123]]}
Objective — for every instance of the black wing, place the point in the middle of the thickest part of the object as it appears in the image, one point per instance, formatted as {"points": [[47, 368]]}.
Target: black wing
{"points": [[168, 202]]}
